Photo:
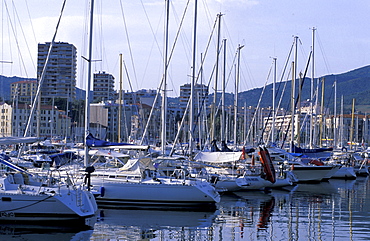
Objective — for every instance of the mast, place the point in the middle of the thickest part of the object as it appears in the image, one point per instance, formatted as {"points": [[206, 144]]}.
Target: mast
{"points": [[273, 104], [341, 122], [292, 104], [216, 80], [88, 84], [236, 98], [322, 112], [352, 124], [223, 113], [191, 111], [335, 114], [312, 87], [164, 89], [294, 74], [120, 99]]}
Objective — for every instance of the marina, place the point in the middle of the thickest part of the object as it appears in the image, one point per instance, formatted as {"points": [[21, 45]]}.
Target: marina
{"points": [[102, 162], [332, 210]]}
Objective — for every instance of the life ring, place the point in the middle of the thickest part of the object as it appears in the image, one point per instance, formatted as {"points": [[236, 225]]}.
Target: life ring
{"points": [[268, 166]]}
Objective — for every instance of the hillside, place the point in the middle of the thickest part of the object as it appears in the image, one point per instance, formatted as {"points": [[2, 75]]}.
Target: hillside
{"points": [[354, 84]]}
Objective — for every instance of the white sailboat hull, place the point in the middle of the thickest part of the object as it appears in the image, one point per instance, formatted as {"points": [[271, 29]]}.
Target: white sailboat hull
{"points": [[311, 173], [175, 192], [27, 203]]}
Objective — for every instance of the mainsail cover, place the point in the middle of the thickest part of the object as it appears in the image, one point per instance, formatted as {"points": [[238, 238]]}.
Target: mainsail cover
{"points": [[11, 140]]}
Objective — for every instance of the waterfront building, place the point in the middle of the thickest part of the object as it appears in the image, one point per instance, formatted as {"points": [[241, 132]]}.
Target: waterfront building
{"points": [[200, 96], [103, 88], [14, 118], [60, 76], [23, 91]]}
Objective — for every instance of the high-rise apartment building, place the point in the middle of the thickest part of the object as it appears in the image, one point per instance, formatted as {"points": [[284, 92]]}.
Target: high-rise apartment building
{"points": [[60, 76], [103, 87], [200, 95]]}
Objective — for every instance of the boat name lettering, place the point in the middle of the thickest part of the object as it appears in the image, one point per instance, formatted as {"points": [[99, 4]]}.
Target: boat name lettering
{"points": [[7, 214], [252, 179]]}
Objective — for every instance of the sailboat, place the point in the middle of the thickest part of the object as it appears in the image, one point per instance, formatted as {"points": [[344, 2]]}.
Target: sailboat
{"points": [[29, 198], [42, 198], [137, 183]]}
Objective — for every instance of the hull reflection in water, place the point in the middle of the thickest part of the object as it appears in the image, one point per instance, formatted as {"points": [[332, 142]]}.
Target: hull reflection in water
{"points": [[332, 210], [42, 232], [146, 224]]}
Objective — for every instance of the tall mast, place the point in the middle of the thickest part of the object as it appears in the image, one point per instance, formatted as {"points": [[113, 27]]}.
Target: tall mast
{"points": [[322, 112], [312, 86], [223, 112], [192, 99], [164, 89], [273, 104], [120, 99], [236, 97], [335, 115], [341, 122], [216, 80], [294, 75], [292, 104], [88, 84], [352, 124]]}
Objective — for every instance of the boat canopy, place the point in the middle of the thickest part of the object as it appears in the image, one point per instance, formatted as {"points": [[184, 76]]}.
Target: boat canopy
{"points": [[91, 141]]}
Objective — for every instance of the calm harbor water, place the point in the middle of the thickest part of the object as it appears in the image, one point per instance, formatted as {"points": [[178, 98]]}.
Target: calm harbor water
{"points": [[333, 210]]}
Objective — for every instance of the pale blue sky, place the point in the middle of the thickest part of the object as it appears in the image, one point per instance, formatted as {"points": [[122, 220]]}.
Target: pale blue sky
{"points": [[265, 28]]}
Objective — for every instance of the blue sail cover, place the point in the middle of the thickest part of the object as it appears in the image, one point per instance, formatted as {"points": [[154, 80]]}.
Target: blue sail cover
{"points": [[296, 149], [5, 160], [91, 141]]}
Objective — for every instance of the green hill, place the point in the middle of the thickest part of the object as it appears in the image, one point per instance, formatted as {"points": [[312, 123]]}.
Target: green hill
{"points": [[354, 84]]}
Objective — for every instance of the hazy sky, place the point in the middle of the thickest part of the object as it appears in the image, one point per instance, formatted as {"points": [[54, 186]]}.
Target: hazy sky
{"points": [[135, 28]]}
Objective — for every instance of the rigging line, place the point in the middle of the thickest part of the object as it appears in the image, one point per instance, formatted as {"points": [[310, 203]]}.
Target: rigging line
{"points": [[298, 98], [135, 94], [231, 69], [168, 61], [155, 39], [208, 15], [209, 82], [177, 36], [29, 16], [28, 48], [249, 73], [258, 105], [284, 87], [16, 39], [128, 43], [99, 12], [43, 71], [202, 61], [323, 53]]}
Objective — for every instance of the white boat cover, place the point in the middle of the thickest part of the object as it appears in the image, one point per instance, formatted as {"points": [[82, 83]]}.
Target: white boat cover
{"points": [[218, 157]]}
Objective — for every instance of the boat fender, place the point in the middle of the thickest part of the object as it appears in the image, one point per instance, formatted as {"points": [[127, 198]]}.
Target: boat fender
{"points": [[317, 162], [268, 166], [102, 191]]}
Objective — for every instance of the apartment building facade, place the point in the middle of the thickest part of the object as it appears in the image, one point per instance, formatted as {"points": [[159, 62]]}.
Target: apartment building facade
{"points": [[60, 74], [103, 88]]}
